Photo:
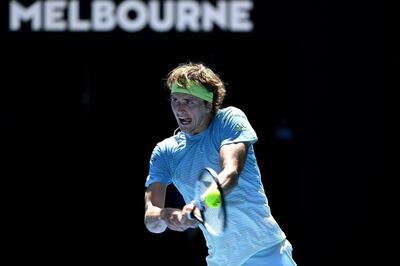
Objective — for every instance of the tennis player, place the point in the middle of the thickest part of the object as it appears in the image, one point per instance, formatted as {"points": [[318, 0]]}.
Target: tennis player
{"points": [[222, 139]]}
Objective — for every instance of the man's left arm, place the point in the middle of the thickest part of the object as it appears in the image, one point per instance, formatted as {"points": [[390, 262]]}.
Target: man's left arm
{"points": [[232, 159]]}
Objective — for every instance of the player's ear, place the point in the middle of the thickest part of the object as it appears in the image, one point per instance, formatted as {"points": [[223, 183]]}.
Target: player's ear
{"points": [[209, 106]]}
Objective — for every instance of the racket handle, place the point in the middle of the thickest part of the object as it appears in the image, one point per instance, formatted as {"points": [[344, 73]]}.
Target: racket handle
{"points": [[190, 215]]}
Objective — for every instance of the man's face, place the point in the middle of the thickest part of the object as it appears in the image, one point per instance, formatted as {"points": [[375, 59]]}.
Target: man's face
{"points": [[192, 113]]}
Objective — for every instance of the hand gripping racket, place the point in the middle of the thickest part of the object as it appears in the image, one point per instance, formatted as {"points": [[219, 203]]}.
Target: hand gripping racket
{"points": [[211, 213]]}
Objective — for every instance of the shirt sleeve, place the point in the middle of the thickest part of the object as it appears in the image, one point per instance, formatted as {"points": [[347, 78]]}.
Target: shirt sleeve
{"points": [[235, 127], [158, 168]]}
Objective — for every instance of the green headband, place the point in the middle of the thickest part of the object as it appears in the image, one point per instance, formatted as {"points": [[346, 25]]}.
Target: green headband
{"points": [[195, 89]]}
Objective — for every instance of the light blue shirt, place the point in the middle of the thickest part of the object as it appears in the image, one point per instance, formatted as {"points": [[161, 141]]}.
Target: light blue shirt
{"points": [[179, 160]]}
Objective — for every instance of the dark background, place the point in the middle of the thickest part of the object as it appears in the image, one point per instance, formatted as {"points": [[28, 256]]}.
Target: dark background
{"points": [[81, 113]]}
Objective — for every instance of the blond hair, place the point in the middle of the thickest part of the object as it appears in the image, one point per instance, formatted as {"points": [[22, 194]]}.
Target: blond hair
{"points": [[199, 73]]}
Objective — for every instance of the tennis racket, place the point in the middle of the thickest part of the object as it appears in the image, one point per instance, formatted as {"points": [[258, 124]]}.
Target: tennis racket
{"points": [[213, 218]]}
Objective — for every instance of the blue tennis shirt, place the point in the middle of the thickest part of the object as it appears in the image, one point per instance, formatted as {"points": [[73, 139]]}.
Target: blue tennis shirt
{"points": [[179, 160]]}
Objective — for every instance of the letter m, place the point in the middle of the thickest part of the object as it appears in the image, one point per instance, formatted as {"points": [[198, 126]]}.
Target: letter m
{"points": [[20, 13]]}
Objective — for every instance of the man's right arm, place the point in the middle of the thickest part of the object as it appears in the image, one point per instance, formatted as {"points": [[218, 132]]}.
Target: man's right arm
{"points": [[154, 203], [157, 218]]}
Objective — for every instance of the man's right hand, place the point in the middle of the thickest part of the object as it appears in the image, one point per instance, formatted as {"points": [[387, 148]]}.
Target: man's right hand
{"points": [[177, 219]]}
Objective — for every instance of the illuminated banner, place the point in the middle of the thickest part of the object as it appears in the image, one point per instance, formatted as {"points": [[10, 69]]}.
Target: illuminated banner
{"points": [[131, 16]]}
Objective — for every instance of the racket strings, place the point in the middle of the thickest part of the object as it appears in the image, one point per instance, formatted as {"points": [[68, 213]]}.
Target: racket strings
{"points": [[214, 218]]}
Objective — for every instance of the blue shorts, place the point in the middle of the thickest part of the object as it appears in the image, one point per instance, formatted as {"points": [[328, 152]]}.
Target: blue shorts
{"points": [[278, 255]]}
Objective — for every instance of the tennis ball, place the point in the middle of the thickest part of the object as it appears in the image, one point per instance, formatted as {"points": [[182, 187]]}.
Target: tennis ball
{"points": [[213, 199]]}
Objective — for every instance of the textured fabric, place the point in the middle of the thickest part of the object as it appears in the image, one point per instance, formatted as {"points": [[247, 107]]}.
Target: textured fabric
{"points": [[179, 160], [278, 255]]}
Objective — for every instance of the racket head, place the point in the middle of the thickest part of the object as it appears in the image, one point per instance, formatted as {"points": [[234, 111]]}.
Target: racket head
{"points": [[213, 219]]}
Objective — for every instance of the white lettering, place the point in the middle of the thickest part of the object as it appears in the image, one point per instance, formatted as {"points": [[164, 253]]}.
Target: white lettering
{"points": [[134, 15], [103, 18], [136, 24], [54, 13], [156, 22], [75, 23], [240, 16], [21, 14], [214, 15], [188, 16]]}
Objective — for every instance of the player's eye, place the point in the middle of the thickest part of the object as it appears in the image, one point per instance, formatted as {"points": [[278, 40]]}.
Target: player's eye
{"points": [[189, 102]]}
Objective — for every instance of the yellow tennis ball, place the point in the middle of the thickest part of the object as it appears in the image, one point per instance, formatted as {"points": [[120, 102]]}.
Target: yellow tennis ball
{"points": [[213, 199]]}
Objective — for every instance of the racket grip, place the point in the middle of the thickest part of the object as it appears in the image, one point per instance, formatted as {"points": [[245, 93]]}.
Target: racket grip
{"points": [[190, 215], [197, 205]]}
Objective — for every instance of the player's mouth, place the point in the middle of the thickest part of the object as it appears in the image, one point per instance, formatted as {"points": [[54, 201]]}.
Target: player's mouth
{"points": [[185, 121]]}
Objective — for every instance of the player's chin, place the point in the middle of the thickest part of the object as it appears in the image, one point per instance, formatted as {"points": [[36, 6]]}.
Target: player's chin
{"points": [[184, 128], [187, 128]]}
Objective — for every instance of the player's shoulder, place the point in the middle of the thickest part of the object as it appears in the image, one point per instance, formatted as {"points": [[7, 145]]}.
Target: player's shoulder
{"points": [[230, 111], [167, 141], [163, 147]]}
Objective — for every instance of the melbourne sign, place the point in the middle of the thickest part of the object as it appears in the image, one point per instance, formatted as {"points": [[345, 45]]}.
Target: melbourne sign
{"points": [[131, 16]]}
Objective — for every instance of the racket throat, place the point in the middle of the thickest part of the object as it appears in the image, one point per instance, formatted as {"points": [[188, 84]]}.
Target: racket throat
{"points": [[196, 214]]}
